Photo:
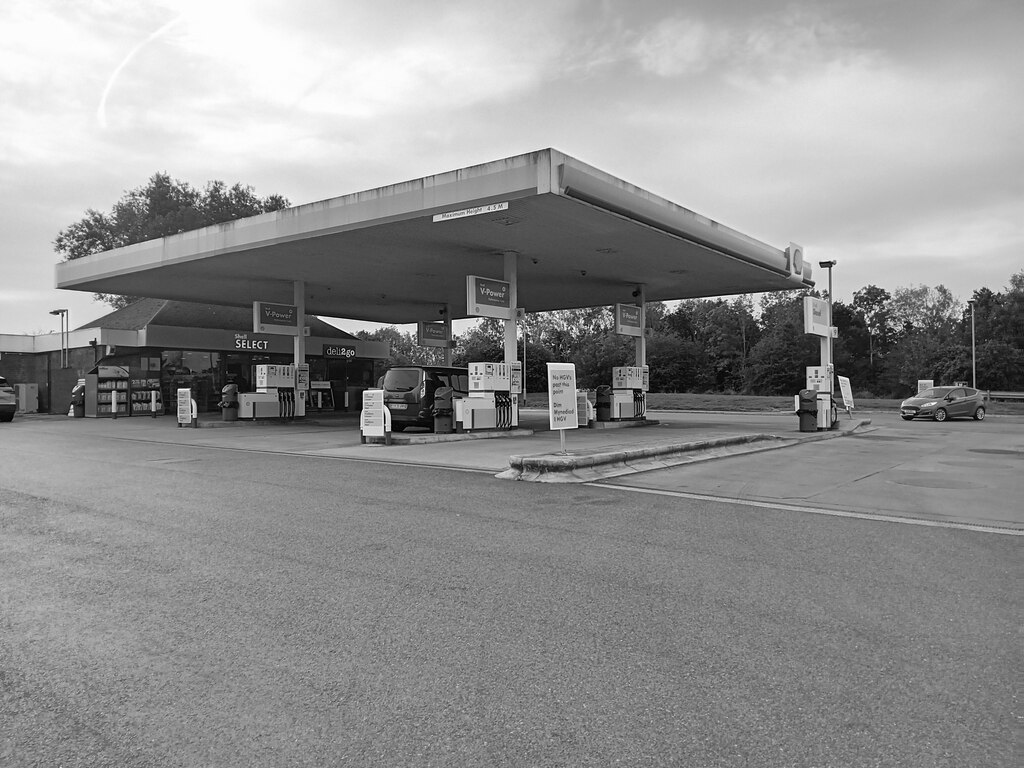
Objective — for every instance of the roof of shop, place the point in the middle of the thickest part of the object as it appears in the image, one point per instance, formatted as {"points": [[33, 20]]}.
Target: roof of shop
{"points": [[396, 254], [185, 314]]}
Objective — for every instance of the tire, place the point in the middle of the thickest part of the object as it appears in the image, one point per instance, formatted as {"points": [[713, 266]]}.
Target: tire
{"points": [[979, 413], [7, 417], [907, 418], [941, 415]]}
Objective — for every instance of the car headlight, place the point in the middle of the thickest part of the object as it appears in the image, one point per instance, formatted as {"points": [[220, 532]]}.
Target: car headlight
{"points": [[929, 405]]}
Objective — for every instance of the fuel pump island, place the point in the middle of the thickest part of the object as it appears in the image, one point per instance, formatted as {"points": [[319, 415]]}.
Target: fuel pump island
{"points": [[815, 404]]}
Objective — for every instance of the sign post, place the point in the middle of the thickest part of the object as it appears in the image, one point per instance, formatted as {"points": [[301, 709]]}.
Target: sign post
{"points": [[562, 404]]}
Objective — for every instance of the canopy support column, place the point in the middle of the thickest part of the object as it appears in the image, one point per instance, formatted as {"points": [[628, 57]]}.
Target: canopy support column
{"points": [[299, 299], [511, 277], [447, 311], [641, 341]]}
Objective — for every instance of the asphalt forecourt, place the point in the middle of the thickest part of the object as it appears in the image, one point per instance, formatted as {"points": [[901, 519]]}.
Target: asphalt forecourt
{"points": [[957, 474], [530, 453]]}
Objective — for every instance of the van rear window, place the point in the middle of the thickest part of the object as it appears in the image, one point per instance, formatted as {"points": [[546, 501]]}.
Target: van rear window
{"points": [[401, 380]]}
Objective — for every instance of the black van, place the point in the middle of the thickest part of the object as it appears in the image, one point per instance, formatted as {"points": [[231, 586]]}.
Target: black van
{"points": [[409, 392]]}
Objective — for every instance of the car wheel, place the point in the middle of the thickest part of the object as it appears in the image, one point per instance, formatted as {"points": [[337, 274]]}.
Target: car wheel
{"points": [[979, 414], [907, 418], [940, 415]]}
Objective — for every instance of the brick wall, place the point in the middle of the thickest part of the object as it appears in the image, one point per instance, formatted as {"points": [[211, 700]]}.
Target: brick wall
{"points": [[43, 368]]}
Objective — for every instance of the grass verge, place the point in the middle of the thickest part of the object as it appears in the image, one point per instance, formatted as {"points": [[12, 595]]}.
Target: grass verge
{"points": [[683, 401]]}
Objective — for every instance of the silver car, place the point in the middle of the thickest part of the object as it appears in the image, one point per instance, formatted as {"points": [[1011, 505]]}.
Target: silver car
{"points": [[8, 401], [941, 403]]}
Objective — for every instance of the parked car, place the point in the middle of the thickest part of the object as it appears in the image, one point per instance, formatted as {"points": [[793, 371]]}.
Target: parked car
{"points": [[941, 403], [8, 401], [409, 392]]}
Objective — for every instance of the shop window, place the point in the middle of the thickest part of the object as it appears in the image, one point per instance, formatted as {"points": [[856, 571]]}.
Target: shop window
{"points": [[198, 371]]}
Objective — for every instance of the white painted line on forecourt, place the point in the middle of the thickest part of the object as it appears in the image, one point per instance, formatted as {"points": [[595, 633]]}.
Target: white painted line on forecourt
{"points": [[817, 510]]}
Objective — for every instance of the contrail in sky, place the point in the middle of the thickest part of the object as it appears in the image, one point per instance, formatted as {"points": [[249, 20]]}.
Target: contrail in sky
{"points": [[101, 110]]}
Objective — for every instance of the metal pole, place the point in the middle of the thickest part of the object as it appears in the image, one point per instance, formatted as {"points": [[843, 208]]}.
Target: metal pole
{"points": [[974, 376], [524, 360], [831, 348]]}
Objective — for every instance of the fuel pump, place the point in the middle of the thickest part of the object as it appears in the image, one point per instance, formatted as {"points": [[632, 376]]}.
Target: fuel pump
{"points": [[491, 403], [274, 396], [628, 395], [819, 380]]}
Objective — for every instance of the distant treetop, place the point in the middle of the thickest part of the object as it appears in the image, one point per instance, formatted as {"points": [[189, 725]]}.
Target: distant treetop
{"points": [[164, 206]]}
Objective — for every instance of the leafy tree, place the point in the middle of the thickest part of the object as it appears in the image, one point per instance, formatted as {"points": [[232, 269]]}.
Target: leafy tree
{"points": [[779, 359], [1000, 365], [721, 333], [164, 206], [484, 343], [933, 310], [536, 375], [852, 346], [927, 334], [873, 304], [404, 347]]}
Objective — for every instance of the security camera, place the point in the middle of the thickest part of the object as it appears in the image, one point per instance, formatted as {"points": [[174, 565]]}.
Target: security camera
{"points": [[635, 294], [441, 311]]}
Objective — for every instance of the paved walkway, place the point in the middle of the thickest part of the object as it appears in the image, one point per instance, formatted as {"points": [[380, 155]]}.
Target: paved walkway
{"points": [[532, 453]]}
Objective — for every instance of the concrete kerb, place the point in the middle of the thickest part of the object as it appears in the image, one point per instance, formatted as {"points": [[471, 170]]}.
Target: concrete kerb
{"points": [[587, 467]]}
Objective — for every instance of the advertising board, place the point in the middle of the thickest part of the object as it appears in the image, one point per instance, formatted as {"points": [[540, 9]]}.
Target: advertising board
{"points": [[627, 320], [488, 298], [373, 420], [281, 319], [433, 335], [847, 390], [816, 317], [562, 403]]}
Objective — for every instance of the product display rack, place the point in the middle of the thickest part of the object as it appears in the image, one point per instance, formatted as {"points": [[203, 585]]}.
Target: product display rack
{"points": [[141, 397], [105, 387]]}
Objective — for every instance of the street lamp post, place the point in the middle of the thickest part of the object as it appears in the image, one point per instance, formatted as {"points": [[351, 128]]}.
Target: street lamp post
{"points": [[64, 316], [974, 376]]}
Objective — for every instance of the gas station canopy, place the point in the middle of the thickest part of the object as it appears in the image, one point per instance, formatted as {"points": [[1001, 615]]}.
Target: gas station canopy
{"points": [[397, 254]]}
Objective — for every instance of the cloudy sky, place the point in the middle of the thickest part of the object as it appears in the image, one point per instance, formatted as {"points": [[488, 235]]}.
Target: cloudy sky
{"points": [[885, 135]]}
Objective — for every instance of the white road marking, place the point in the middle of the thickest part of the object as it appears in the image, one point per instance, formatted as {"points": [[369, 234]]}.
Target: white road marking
{"points": [[818, 510]]}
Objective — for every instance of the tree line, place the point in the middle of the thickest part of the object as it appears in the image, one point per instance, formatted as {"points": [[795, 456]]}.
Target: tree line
{"points": [[886, 342]]}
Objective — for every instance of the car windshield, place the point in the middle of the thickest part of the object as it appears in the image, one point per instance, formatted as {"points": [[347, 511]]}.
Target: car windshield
{"points": [[402, 379], [936, 392], [3, 382]]}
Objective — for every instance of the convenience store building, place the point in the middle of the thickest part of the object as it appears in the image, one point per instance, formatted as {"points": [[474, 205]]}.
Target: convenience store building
{"points": [[162, 345]]}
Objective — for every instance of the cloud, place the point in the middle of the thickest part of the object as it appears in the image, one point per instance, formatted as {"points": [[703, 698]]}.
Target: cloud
{"points": [[681, 47]]}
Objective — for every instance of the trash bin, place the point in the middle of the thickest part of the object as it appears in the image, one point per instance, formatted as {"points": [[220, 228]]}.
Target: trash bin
{"points": [[229, 403], [443, 420], [807, 410], [78, 401], [603, 399]]}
